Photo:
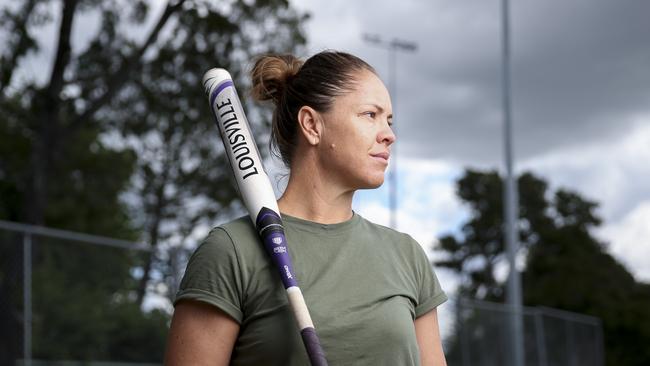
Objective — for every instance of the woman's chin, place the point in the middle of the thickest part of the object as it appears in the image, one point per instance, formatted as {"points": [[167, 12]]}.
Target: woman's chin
{"points": [[373, 183]]}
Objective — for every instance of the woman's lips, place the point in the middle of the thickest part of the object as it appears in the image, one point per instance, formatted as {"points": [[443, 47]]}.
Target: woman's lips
{"points": [[384, 156]]}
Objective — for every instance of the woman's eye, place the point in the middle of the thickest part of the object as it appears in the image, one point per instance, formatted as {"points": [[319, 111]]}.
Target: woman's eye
{"points": [[371, 114]]}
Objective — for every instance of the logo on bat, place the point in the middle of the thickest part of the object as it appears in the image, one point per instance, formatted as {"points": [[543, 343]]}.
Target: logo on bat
{"points": [[232, 132], [287, 271], [277, 240]]}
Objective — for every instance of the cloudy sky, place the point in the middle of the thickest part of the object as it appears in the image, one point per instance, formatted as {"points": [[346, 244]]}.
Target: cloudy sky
{"points": [[581, 104]]}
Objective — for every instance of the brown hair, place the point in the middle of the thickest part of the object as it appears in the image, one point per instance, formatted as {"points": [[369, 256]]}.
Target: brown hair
{"points": [[291, 84]]}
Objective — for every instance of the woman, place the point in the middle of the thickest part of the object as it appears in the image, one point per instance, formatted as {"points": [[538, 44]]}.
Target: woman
{"points": [[371, 291]]}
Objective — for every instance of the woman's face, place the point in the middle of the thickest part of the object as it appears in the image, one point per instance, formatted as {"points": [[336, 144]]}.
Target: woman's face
{"points": [[356, 139]]}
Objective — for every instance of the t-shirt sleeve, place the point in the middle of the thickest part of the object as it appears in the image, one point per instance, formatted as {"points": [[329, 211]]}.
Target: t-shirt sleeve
{"points": [[213, 275], [430, 292]]}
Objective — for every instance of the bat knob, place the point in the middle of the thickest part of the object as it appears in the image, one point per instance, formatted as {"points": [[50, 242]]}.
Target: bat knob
{"points": [[214, 77]]}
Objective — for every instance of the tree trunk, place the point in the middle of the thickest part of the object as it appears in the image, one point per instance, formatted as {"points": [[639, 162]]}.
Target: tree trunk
{"points": [[45, 146]]}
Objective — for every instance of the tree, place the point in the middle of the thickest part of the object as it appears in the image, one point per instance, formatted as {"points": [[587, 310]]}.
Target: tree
{"points": [[566, 266], [117, 139], [183, 178], [480, 248]]}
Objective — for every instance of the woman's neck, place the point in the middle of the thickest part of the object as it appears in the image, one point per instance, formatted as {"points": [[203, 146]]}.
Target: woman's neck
{"points": [[310, 196]]}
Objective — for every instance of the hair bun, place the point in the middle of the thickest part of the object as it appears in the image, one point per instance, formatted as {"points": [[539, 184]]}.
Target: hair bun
{"points": [[270, 75]]}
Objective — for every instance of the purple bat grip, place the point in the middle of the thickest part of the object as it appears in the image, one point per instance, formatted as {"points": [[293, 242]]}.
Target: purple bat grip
{"points": [[314, 349], [269, 226]]}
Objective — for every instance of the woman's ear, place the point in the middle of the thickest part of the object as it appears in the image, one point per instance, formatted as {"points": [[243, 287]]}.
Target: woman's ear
{"points": [[310, 124]]}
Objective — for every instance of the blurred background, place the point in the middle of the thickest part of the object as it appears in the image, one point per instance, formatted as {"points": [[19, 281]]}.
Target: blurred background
{"points": [[111, 169]]}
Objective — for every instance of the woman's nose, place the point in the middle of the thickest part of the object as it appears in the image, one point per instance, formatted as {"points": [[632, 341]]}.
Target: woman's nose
{"points": [[386, 135]]}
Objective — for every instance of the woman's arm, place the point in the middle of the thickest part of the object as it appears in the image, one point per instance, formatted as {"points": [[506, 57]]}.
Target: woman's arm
{"points": [[200, 334], [428, 336]]}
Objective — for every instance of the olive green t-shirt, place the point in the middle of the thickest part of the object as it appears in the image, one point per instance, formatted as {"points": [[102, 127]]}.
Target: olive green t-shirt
{"points": [[364, 285]]}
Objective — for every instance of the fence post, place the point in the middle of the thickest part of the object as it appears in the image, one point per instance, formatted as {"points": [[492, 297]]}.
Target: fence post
{"points": [[540, 338], [27, 299], [600, 344], [570, 344], [464, 345]]}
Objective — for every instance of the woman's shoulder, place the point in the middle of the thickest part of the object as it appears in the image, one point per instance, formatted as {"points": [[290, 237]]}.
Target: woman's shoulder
{"points": [[393, 241], [236, 232], [386, 232], [234, 240], [239, 226]]}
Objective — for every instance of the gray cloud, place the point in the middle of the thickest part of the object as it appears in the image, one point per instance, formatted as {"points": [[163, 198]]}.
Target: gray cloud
{"points": [[580, 71]]}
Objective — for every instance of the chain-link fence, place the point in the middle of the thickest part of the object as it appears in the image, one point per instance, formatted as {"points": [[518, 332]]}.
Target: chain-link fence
{"points": [[70, 299], [551, 337]]}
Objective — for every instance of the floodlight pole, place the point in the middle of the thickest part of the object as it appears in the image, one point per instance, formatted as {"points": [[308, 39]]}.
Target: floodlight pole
{"points": [[392, 46], [513, 293]]}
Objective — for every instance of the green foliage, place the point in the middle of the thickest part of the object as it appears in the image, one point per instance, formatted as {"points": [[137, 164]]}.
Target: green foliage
{"points": [[566, 266]]}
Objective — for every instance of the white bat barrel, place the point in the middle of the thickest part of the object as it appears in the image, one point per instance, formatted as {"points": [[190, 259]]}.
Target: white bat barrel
{"points": [[253, 183]]}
